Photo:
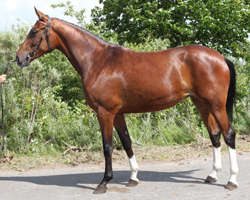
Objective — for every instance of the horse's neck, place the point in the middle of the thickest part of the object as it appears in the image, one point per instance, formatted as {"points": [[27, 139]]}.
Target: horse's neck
{"points": [[79, 46]]}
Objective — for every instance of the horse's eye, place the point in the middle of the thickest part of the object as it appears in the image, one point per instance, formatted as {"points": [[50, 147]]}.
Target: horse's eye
{"points": [[34, 32]]}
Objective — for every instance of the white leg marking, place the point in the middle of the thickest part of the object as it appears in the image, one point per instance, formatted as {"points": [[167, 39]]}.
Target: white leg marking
{"points": [[233, 165], [134, 168], [216, 162]]}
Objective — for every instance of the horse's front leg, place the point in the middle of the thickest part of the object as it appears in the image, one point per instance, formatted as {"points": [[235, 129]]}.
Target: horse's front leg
{"points": [[106, 123], [121, 128]]}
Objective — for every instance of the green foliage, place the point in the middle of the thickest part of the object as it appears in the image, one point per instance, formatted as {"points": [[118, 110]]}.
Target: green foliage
{"points": [[167, 127], [150, 45], [223, 25], [242, 115], [67, 84], [79, 15]]}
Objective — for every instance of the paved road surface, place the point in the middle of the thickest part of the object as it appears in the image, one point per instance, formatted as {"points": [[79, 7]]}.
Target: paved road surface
{"points": [[181, 180]]}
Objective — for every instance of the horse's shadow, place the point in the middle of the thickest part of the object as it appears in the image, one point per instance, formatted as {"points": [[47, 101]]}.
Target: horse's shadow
{"points": [[83, 180]]}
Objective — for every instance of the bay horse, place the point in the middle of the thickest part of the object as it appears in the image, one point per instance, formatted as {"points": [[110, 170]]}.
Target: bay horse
{"points": [[117, 80]]}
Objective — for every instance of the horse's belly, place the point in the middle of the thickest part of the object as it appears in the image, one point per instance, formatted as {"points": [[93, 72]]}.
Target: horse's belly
{"points": [[151, 102]]}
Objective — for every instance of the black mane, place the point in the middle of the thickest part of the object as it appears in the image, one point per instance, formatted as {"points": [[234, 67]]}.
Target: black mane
{"points": [[85, 31]]}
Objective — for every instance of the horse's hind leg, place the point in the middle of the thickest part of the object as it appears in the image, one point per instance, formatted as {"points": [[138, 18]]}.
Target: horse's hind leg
{"points": [[214, 134], [217, 122], [121, 128], [229, 137]]}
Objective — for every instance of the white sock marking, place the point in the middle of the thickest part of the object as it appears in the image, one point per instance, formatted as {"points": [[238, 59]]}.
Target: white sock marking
{"points": [[233, 165], [134, 168], [216, 162]]}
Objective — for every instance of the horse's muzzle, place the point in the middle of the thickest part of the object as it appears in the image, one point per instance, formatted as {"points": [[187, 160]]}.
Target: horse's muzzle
{"points": [[23, 62]]}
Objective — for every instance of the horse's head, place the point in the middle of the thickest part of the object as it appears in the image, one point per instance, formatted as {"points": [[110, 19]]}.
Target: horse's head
{"points": [[40, 40]]}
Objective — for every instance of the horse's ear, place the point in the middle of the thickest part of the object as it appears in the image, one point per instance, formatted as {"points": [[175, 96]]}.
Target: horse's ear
{"points": [[41, 16]]}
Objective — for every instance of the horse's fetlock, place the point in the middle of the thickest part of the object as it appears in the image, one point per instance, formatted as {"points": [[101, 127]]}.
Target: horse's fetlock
{"points": [[109, 176], [218, 168]]}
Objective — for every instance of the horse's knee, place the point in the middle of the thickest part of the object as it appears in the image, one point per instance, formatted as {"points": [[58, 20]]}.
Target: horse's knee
{"points": [[107, 150]]}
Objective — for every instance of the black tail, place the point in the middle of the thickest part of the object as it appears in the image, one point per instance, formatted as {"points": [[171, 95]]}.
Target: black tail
{"points": [[231, 96]]}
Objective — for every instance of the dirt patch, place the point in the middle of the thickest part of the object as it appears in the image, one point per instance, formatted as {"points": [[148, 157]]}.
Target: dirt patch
{"points": [[118, 190], [144, 155], [243, 138]]}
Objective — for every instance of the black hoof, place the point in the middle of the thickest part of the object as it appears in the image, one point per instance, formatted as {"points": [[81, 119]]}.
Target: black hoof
{"points": [[231, 186], [100, 189], [210, 179], [132, 183]]}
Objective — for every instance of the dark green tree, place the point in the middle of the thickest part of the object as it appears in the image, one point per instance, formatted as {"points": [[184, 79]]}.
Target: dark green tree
{"points": [[221, 24]]}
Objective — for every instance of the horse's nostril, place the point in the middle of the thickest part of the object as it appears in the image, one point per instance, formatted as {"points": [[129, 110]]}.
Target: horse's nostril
{"points": [[17, 59], [27, 58]]}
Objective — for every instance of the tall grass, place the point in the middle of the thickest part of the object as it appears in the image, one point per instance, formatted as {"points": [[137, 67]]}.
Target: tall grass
{"points": [[167, 127]]}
